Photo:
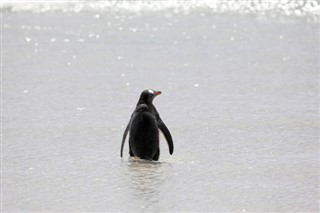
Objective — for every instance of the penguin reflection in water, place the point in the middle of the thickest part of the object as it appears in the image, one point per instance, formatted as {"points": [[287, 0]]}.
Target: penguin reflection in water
{"points": [[144, 128]]}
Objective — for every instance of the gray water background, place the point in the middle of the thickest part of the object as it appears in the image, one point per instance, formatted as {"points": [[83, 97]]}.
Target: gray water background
{"points": [[240, 95]]}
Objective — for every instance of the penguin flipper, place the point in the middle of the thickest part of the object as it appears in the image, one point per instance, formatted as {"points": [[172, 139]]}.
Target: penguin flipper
{"points": [[167, 134], [124, 138]]}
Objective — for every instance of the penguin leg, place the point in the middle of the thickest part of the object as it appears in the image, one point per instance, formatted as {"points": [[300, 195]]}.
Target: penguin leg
{"points": [[156, 157]]}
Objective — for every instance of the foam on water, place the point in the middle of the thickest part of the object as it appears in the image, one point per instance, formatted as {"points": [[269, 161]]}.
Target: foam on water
{"points": [[272, 7]]}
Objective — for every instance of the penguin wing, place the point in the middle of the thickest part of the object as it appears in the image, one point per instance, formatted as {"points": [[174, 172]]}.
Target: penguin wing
{"points": [[124, 137], [167, 134]]}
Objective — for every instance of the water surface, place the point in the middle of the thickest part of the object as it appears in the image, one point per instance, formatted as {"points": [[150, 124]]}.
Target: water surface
{"points": [[240, 95]]}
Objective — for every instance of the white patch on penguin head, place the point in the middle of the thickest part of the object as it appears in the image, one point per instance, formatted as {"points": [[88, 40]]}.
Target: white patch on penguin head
{"points": [[150, 91]]}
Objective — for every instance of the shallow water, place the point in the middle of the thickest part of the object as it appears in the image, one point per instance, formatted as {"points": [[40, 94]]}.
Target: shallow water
{"points": [[240, 95]]}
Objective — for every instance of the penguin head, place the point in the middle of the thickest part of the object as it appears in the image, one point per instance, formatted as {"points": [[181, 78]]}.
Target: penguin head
{"points": [[147, 96]]}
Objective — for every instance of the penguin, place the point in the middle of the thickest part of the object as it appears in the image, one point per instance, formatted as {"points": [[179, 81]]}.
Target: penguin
{"points": [[144, 128]]}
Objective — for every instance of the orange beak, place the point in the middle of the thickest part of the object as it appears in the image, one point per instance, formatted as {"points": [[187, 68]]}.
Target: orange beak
{"points": [[157, 93]]}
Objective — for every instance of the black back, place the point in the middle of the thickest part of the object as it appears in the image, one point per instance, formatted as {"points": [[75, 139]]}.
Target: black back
{"points": [[144, 134]]}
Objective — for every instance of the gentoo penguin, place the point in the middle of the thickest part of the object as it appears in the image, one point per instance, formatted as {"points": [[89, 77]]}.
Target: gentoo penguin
{"points": [[144, 128]]}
